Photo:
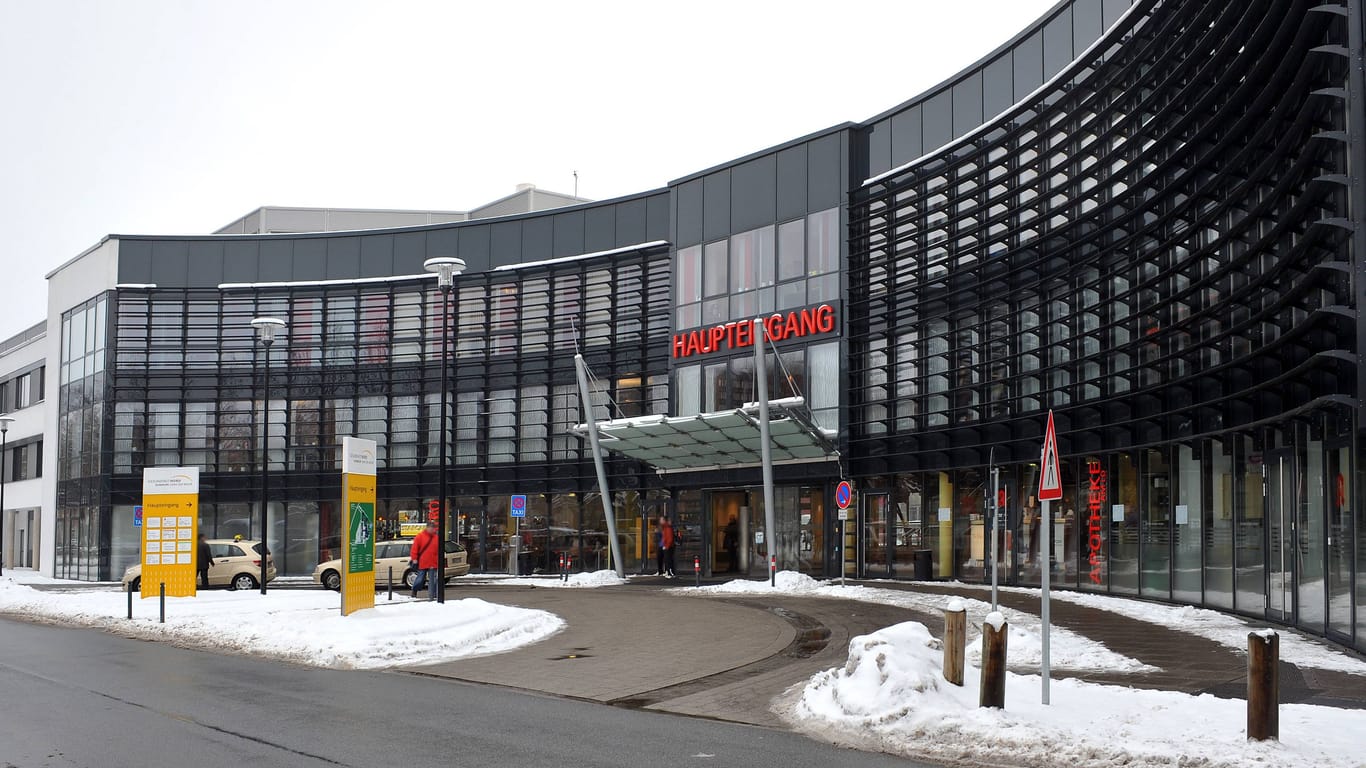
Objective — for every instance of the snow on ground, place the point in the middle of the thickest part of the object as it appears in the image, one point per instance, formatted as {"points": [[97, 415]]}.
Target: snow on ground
{"points": [[1227, 630], [1067, 649], [891, 696], [303, 626], [588, 580]]}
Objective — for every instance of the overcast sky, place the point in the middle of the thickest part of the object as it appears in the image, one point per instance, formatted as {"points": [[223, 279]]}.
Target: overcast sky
{"points": [[172, 117]]}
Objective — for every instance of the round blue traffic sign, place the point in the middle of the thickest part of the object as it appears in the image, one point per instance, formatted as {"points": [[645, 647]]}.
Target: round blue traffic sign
{"points": [[844, 493], [519, 502]]}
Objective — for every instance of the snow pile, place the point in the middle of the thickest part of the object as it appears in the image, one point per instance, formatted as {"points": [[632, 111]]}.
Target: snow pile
{"points": [[587, 580], [1068, 651], [891, 696], [303, 626]]}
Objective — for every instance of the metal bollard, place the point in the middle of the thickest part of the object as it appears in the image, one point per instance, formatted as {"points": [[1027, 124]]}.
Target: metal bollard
{"points": [[955, 641], [163, 602], [995, 631], [130, 601], [1263, 685], [697, 571], [391, 583], [773, 571]]}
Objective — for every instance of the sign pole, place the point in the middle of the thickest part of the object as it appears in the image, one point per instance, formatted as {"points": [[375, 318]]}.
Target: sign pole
{"points": [[1050, 489]]}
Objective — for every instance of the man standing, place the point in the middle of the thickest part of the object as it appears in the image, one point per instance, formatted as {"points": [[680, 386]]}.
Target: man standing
{"points": [[425, 559], [730, 541], [203, 559], [666, 548]]}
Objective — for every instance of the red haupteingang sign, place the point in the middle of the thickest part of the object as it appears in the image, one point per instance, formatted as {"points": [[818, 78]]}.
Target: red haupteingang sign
{"points": [[818, 320]]}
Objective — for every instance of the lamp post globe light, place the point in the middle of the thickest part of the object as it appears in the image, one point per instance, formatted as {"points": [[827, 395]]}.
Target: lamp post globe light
{"points": [[5, 421], [446, 268], [266, 329]]}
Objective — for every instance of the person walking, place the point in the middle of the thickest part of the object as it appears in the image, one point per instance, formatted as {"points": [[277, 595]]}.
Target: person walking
{"points": [[203, 559], [425, 559], [730, 541], [666, 548]]}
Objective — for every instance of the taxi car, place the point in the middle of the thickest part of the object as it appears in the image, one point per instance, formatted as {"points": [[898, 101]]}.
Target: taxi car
{"points": [[236, 565], [393, 555]]}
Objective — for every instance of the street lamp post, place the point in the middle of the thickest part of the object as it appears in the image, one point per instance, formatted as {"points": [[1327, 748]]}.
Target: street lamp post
{"points": [[446, 268], [266, 328], [5, 421]]}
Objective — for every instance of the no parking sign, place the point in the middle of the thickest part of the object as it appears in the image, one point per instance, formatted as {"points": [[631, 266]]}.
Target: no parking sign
{"points": [[519, 505], [844, 494]]}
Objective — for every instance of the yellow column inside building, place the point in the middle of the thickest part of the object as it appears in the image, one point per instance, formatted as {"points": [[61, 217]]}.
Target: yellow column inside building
{"points": [[945, 569]]}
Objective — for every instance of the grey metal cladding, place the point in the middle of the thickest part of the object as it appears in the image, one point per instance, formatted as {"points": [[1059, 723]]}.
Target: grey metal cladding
{"points": [[275, 261], [599, 229], [343, 257], [239, 261], [908, 140], [688, 197], [171, 263], [825, 183], [205, 262], [410, 250], [753, 189], [135, 261], [377, 255], [716, 205], [310, 259], [568, 234], [791, 180], [474, 248]]}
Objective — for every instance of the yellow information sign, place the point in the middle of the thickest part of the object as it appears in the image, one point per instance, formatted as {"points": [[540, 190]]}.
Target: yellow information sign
{"points": [[358, 525], [170, 530]]}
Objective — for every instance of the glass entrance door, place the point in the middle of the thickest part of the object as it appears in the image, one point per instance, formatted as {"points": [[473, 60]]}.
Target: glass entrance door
{"points": [[873, 560], [1282, 496]]}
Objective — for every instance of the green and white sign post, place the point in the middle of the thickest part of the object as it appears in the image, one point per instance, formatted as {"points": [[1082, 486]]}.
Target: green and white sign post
{"points": [[358, 499]]}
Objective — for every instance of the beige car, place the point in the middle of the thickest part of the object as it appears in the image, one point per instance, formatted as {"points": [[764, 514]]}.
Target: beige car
{"points": [[236, 565], [393, 555]]}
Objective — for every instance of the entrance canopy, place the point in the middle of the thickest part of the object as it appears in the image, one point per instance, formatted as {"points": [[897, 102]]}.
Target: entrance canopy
{"points": [[724, 439]]}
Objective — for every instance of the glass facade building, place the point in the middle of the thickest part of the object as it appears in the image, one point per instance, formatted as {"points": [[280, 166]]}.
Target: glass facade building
{"points": [[1146, 217]]}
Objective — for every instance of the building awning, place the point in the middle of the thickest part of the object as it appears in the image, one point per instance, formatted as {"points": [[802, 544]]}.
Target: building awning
{"points": [[722, 440]]}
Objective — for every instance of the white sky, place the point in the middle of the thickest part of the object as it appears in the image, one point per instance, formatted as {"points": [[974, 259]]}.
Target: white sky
{"points": [[178, 116]]}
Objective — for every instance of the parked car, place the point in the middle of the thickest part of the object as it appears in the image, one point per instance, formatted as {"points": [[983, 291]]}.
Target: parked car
{"points": [[393, 554], [236, 565]]}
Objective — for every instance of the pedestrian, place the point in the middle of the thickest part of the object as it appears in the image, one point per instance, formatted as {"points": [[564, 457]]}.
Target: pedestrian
{"points": [[665, 565], [203, 559], [424, 559], [730, 541]]}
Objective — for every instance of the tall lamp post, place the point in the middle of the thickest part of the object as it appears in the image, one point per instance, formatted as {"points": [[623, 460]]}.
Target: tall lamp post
{"points": [[266, 328], [5, 421], [446, 268]]}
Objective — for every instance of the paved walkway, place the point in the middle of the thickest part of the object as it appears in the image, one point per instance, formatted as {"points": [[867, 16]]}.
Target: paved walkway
{"points": [[730, 657]]}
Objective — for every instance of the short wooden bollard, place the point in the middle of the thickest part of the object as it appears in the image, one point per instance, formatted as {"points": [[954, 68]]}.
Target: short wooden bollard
{"points": [[995, 630], [1263, 685], [955, 641]]}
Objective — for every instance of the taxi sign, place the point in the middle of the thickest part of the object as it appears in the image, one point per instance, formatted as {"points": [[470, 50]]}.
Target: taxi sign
{"points": [[519, 505], [1050, 478]]}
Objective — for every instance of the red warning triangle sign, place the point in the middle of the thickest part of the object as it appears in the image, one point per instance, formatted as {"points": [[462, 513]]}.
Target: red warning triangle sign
{"points": [[1050, 479]]}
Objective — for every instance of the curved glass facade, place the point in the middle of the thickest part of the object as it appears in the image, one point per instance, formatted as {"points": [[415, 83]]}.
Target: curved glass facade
{"points": [[1143, 216]]}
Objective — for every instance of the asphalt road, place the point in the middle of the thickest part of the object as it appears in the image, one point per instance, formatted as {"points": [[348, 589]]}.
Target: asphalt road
{"points": [[88, 699]]}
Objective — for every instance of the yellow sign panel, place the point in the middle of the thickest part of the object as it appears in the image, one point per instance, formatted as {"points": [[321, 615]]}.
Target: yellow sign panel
{"points": [[170, 530], [358, 525]]}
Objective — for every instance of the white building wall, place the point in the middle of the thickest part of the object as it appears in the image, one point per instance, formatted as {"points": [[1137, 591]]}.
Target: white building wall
{"points": [[82, 278], [23, 497]]}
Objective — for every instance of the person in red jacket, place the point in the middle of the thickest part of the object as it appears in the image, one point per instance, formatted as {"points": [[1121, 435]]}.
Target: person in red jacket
{"points": [[425, 559], [667, 540]]}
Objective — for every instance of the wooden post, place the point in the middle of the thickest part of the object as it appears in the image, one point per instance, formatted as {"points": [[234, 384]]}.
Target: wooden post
{"points": [[955, 641], [1263, 685], [995, 630]]}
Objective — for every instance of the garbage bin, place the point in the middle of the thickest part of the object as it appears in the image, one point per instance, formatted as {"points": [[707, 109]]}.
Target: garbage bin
{"points": [[924, 564], [514, 555]]}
